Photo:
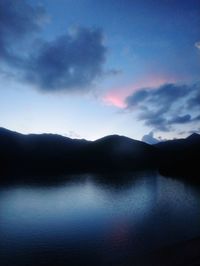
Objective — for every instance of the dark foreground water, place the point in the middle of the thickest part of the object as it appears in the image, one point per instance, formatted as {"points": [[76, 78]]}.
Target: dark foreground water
{"points": [[95, 220]]}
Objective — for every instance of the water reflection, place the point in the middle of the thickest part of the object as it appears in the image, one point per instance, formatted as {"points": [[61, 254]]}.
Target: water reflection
{"points": [[95, 219]]}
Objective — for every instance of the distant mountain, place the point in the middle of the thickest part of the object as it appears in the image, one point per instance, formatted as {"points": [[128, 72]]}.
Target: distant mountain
{"points": [[179, 144], [180, 156], [121, 153], [51, 153], [46, 152]]}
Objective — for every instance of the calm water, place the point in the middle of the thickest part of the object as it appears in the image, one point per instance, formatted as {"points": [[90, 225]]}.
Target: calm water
{"points": [[88, 220]]}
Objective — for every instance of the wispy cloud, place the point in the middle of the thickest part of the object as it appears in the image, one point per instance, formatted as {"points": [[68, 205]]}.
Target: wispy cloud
{"points": [[168, 105], [117, 96], [197, 45]]}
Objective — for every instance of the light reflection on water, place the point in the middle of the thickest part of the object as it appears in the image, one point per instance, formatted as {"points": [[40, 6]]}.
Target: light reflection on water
{"points": [[94, 219]]}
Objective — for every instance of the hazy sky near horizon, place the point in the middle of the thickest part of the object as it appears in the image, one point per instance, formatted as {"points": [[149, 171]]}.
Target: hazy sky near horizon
{"points": [[90, 68]]}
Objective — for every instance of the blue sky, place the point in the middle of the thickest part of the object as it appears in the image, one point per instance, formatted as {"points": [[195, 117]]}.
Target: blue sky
{"points": [[90, 68]]}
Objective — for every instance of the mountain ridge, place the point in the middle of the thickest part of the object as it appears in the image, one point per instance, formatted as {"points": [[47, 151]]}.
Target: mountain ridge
{"points": [[55, 153]]}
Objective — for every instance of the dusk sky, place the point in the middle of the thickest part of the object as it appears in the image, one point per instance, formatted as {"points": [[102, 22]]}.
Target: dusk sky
{"points": [[90, 68]]}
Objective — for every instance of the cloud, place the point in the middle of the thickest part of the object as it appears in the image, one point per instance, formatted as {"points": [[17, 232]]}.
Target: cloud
{"points": [[117, 96], [17, 22], [197, 45], [183, 119], [72, 62], [166, 94], [180, 119], [150, 139], [194, 101], [158, 107], [72, 134]]}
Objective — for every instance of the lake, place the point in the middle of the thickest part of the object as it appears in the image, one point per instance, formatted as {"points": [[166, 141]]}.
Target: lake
{"points": [[95, 219]]}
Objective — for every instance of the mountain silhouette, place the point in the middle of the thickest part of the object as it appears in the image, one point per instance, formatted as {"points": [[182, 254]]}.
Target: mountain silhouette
{"points": [[52, 153], [180, 156], [119, 152]]}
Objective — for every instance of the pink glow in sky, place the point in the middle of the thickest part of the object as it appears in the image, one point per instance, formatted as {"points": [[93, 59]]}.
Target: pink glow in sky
{"points": [[117, 96]]}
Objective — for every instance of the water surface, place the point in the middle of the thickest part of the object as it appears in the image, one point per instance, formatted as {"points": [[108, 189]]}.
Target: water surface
{"points": [[95, 220]]}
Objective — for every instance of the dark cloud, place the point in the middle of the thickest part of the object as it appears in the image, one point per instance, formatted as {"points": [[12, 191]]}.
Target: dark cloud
{"points": [[194, 102], [150, 139], [166, 95], [18, 20], [159, 107], [180, 119], [71, 62], [183, 119], [137, 97]]}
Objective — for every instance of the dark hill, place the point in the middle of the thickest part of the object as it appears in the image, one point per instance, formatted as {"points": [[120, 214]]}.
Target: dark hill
{"points": [[122, 153], [180, 156], [49, 152], [46, 152]]}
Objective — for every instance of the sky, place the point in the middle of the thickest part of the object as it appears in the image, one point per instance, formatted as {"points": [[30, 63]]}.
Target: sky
{"points": [[86, 69]]}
